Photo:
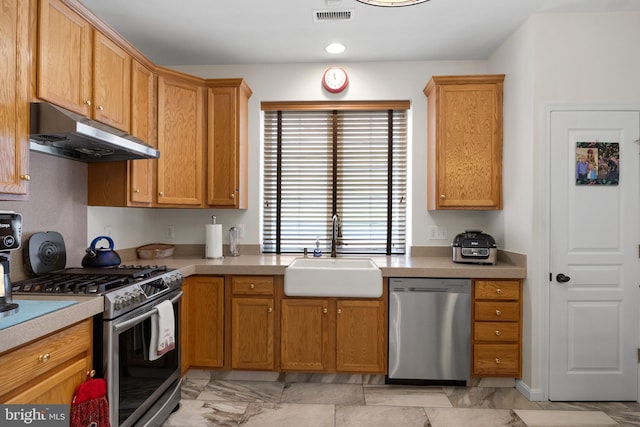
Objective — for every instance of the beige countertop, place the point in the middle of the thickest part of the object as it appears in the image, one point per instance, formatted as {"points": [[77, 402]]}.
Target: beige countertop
{"points": [[85, 307], [432, 263]]}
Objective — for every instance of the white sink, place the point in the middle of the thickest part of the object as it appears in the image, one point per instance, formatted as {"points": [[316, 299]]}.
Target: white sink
{"points": [[333, 277]]}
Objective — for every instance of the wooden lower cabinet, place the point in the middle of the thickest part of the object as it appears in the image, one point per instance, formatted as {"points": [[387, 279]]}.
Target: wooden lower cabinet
{"points": [[48, 370], [333, 335], [203, 322], [253, 311], [496, 328]]}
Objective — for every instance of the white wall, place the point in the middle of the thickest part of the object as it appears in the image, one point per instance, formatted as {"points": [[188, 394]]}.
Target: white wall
{"points": [[287, 82], [570, 59]]}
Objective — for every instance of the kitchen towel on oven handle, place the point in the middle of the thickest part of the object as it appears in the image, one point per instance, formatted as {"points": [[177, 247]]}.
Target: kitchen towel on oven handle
{"points": [[89, 406], [162, 330]]}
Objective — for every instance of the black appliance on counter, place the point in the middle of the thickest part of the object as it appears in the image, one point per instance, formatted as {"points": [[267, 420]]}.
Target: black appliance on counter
{"points": [[10, 237], [475, 247], [140, 391]]}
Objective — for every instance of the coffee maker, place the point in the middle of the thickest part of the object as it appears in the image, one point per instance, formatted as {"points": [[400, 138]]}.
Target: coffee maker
{"points": [[10, 238]]}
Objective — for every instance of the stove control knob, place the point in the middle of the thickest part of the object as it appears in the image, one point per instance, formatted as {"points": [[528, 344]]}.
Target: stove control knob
{"points": [[128, 298], [118, 302]]}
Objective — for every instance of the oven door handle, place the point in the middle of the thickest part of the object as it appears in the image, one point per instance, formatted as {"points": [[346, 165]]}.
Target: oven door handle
{"points": [[124, 325]]}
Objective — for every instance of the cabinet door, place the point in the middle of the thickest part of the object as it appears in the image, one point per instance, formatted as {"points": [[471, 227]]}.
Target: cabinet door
{"points": [[14, 105], [142, 126], [64, 57], [180, 140], [305, 339], [465, 142], [252, 333], [361, 336], [206, 321], [222, 147], [111, 84]]}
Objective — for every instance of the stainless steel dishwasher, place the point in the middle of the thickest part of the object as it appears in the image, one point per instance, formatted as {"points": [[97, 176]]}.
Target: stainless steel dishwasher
{"points": [[429, 328]]}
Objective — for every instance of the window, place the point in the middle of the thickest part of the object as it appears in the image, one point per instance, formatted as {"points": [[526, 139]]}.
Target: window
{"points": [[322, 159]]}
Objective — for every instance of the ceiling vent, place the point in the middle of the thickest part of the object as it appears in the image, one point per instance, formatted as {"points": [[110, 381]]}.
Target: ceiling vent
{"points": [[332, 15]]}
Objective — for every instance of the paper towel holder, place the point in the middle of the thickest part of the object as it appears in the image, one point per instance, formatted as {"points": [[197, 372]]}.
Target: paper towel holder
{"points": [[213, 240]]}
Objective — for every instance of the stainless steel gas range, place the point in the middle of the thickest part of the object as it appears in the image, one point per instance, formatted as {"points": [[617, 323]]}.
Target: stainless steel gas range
{"points": [[141, 391]]}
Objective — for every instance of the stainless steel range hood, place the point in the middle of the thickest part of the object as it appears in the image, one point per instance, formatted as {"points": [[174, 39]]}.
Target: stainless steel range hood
{"points": [[62, 133]]}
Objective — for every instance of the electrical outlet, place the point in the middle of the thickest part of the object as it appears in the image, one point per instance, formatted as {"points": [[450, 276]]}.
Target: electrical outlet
{"points": [[170, 232], [240, 230], [437, 233], [108, 231]]}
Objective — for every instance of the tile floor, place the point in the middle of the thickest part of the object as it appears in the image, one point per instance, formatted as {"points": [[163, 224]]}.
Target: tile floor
{"points": [[212, 398]]}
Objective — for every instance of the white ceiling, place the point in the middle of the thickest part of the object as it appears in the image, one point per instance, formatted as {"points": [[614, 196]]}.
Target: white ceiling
{"points": [[217, 32]]}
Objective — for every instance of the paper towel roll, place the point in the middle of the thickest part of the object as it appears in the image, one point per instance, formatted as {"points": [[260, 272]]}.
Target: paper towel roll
{"points": [[213, 244]]}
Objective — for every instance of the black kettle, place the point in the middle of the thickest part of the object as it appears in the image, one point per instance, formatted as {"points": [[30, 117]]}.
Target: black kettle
{"points": [[100, 257]]}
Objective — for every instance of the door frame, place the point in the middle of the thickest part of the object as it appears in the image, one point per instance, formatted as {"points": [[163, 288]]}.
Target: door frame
{"points": [[544, 351]]}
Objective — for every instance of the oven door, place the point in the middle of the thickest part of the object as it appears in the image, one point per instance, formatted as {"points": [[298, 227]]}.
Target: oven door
{"points": [[134, 383]]}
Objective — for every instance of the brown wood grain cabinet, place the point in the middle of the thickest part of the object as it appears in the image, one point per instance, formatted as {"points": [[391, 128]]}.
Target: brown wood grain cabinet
{"points": [[81, 69], [181, 129], [130, 183], [464, 142], [227, 143], [47, 370], [496, 328], [334, 335], [253, 311], [203, 322], [14, 104]]}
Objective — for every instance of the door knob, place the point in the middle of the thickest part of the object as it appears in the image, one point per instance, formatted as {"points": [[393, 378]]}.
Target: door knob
{"points": [[561, 278]]}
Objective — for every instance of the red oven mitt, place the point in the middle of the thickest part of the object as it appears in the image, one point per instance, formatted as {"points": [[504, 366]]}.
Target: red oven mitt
{"points": [[89, 407]]}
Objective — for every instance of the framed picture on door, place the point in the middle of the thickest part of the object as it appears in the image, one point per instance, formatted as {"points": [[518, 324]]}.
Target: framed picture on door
{"points": [[597, 163]]}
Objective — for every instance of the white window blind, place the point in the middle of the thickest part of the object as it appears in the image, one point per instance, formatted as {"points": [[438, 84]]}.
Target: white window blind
{"points": [[348, 162]]}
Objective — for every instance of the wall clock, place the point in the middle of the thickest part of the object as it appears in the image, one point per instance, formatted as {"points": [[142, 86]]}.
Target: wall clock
{"points": [[335, 79]]}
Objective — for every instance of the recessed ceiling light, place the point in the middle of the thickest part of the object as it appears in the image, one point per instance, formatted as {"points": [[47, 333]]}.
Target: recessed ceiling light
{"points": [[392, 3], [335, 48]]}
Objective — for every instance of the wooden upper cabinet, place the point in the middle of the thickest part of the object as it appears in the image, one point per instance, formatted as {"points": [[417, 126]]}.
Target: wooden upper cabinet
{"points": [[180, 141], [111, 83], [143, 127], [80, 69], [227, 106], [14, 103], [64, 57], [464, 164]]}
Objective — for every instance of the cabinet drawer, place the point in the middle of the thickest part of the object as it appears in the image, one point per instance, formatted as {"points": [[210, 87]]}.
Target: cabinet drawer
{"points": [[497, 289], [499, 311], [44, 356], [496, 331], [252, 285], [496, 359]]}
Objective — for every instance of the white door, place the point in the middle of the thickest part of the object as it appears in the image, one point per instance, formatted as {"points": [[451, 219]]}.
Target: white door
{"points": [[595, 272]]}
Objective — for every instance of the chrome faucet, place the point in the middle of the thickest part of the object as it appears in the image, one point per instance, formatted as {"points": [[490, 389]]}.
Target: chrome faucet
{"points": [[336, 233]]}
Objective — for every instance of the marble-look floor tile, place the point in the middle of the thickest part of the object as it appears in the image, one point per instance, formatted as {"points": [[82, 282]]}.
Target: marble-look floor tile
{"points": [[406, 396], [300, 377], [242, 391], [564, 418], [458, 417], [191, 388], [245, 375], [380, 416], [489, 398], [328, 394], [199, 374], [196, 413], [290, 415]]}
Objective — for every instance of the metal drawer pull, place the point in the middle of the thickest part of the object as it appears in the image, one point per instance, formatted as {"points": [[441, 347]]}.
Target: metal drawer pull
{"points": [[339, 311], [498, 313], [497, 361], [324, 310], [252, 286], [498, 291], [270, 309], [498, 333], [44, 357], [87, 102], [99, 108]]}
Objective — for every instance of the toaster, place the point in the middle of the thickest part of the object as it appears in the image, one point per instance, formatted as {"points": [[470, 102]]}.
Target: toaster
{"points": [[475, 247]]}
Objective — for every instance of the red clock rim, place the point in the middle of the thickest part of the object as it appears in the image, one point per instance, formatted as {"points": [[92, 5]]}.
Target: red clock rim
{"points": [[338, 89]]}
